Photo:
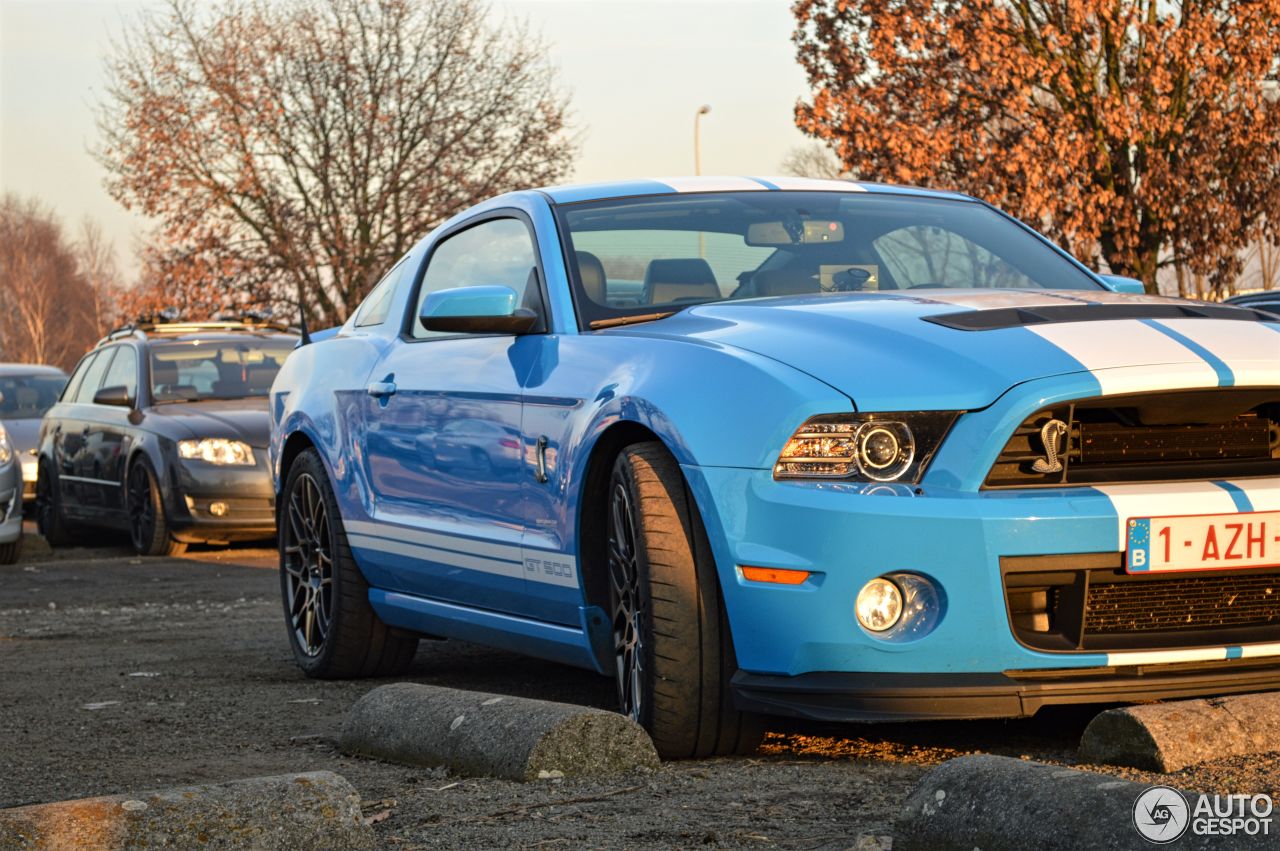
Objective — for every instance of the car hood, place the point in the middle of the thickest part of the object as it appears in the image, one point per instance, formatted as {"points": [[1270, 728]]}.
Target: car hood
{"points": [[237, 419], [887, 352], [23, 434]]}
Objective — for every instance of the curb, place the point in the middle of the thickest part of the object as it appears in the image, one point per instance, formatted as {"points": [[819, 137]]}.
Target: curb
{"points": [[997, 803], [313, 810], [1167, 737], [488, 735]]}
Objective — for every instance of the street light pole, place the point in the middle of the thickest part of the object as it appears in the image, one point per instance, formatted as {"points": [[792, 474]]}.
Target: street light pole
{"points": [[697, 137]]}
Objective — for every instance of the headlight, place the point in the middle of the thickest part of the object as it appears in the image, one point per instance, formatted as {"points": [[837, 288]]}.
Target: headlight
{"points": [[6, 448], [869, 447], [217, 450]]}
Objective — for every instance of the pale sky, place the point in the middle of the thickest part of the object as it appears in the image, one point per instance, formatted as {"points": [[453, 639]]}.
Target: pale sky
{"points": [[637, 71]]}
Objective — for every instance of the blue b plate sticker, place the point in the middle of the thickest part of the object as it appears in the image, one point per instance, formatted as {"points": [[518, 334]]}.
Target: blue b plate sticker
{"points": [[1139, 549]]}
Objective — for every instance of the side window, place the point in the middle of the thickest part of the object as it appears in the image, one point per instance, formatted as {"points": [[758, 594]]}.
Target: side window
{"points": [[499, 251], [93, 377], [123, 372], [77, 378], [373, 310], [924, 255]]}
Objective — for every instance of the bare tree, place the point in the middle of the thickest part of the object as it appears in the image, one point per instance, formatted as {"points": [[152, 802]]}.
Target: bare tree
{"points": [[303, 145], [814, 160], [43, 293], [96, 258]]}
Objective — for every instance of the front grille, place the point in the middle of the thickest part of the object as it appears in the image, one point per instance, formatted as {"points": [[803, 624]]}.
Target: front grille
{"points": [[1182, 603], [1088, 603], [1201, 434]]}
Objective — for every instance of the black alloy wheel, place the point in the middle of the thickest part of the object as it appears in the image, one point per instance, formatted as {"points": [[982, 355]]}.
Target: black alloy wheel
{"points": [[148, 524], [628, 614], [307, 561], [50, 521], [333, 630]]}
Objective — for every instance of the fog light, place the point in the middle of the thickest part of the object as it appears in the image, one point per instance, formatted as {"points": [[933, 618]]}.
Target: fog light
{"points": [[217, 509], [879, 605]]}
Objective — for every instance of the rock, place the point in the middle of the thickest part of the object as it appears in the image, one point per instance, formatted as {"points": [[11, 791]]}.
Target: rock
{"points": [[1170, 736], [315, 810], [476, 734]]}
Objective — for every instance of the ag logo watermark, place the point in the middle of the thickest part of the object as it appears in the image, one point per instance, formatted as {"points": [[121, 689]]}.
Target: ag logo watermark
{"points": [[1162, 815]]}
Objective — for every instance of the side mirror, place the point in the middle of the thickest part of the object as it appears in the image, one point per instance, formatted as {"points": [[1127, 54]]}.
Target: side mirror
{"points": [[117, 396], [476, 310], [1121, 284]]}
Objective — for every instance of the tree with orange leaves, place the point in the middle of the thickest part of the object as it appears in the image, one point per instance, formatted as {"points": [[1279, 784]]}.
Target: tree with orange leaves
{"points": [[1135, 132], [297, 148]]}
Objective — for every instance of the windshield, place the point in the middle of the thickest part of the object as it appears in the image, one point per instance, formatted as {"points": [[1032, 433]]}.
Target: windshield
{"points": [[215, 369], [640, 256], [27, 397]]}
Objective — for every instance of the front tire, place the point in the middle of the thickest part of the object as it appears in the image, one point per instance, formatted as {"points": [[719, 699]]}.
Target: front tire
{"points": [[9, 552], [672, 648], [51, 521], [333, 631], [148, 522]]}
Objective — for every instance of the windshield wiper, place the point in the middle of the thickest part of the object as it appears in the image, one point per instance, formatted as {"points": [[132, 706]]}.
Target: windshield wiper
{"points": [[630, 320]]}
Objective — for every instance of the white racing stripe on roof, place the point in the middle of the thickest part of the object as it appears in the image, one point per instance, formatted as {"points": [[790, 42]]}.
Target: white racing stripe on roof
{"points": [[713, 184], [1249, 349], [1161, 499], [1106, 347], [812, 184]]}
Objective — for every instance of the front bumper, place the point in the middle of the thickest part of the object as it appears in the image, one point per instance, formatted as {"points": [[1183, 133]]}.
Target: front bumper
{"points": [[213, 503], [902, 697], [802, 651]]}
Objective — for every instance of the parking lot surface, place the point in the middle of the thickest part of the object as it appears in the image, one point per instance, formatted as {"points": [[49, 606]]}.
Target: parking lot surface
{"points": [[123, 674]]}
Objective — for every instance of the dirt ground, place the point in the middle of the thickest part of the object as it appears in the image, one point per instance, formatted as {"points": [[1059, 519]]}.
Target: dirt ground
{"points": [[119, 674]]}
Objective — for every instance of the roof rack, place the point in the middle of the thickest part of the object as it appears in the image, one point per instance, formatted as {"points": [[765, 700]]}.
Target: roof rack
{"points": [[143, 330]]}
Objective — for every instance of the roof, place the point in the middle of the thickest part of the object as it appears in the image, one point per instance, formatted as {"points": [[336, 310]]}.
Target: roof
{"points": [[29, 369], [682, 185]]}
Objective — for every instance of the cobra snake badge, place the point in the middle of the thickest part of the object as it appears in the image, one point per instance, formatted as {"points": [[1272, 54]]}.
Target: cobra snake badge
{"points": [[1050, 434]]}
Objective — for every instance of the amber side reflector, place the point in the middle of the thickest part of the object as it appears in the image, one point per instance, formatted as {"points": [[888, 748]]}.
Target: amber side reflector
{"points": [[776, 575]]}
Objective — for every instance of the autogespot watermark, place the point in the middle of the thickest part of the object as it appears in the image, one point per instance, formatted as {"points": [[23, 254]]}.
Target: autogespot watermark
{"points": [[1162, 815]]}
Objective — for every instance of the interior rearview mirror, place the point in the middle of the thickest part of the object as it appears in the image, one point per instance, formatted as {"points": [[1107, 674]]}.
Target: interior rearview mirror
{"points": [[798, 232], [476, 310]]}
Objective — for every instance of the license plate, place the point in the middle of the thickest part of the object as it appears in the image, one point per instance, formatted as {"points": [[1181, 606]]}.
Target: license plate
{"points": [[1203, 542]]}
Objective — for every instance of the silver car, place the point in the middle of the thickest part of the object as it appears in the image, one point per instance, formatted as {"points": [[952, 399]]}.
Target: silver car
{"points": [[26, 391], [10, 500]]}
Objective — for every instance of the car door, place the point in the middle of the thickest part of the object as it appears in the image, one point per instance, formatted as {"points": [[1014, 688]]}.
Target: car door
{"points": [[107, 436], [70, 438], [447, 465]]}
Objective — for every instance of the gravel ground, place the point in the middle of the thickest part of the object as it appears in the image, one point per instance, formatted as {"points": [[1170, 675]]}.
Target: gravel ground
{"points": [[122, 674]]}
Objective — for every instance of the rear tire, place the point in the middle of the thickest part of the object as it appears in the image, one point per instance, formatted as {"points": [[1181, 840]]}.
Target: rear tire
{"points": [[333, 631], [673, 650], [148, 522], [51, 522]]}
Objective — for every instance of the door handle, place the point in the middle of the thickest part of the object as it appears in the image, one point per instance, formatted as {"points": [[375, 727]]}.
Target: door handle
{"points": [[381, 389]]}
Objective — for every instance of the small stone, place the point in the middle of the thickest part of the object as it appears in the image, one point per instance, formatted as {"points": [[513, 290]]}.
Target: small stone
{"points": [[134, 806]]}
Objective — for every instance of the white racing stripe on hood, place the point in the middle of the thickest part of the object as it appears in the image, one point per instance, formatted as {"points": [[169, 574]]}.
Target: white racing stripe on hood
{"points": [[1250, 350], [1161, 499], [1117, 343]]}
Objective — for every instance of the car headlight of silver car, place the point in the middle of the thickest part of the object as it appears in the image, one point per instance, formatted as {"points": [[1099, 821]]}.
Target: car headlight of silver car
{"points": [[217, 450], [6, 448], [879, 447]]}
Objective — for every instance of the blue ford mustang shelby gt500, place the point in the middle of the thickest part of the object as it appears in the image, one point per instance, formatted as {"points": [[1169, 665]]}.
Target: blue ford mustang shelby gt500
{"points": [[783, 446]]}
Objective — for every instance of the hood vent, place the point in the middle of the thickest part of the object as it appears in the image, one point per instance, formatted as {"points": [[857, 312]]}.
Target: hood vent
{"points": [[1018, 317]]}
